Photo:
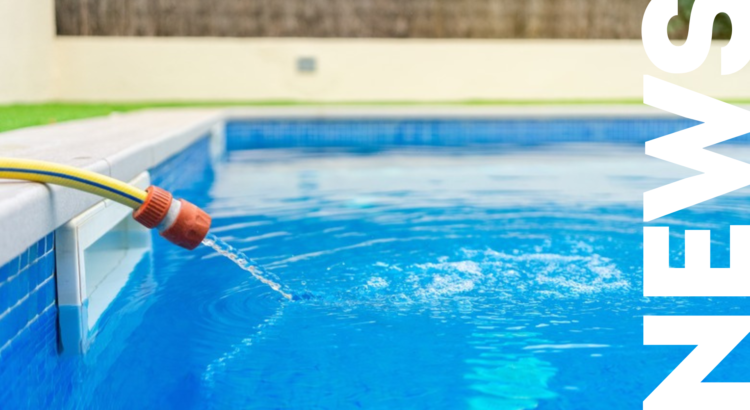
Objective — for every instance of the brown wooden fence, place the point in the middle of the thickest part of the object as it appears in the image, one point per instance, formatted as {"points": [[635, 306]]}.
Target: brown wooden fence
{"points": [[609, 19]]}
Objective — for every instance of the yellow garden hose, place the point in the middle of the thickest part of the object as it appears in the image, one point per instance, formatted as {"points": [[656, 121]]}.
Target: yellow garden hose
{"points": [[82, 180], [180, 222]]}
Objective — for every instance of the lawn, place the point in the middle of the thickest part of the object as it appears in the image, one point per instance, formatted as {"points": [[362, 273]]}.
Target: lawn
{"points": [[27, 115]]}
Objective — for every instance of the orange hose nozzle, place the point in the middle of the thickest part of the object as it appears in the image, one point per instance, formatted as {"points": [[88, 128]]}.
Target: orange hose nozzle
{"points": [[180, 222], [190, 227]]}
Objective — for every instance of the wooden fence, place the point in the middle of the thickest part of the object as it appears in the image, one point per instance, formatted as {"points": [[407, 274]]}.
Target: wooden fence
{"points": [[590, 19]]}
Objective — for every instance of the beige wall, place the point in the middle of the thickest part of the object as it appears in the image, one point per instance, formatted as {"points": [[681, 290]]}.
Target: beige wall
{"points": [[26, 50], [36, 66], [95, 69]]}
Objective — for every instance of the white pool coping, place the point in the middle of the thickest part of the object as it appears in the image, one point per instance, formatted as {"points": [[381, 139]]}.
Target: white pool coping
{"points": [[124, 145], [451, 112]]}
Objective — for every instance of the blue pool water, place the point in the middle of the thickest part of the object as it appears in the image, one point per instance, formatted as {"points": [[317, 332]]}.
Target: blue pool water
{"points": [[498, 277]]}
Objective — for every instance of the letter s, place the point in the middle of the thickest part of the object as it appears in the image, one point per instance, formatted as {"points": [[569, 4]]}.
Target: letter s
{"points": [[690, 56]]}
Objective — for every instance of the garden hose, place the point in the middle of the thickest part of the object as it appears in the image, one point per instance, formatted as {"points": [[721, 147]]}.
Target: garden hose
{"points": [[179, 221]]}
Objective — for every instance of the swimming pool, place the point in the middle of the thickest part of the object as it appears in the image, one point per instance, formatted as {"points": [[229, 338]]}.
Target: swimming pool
{"points": [[459, 273]]}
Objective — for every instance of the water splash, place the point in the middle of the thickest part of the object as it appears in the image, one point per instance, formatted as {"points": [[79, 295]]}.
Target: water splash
{"points": [[241, 260]]}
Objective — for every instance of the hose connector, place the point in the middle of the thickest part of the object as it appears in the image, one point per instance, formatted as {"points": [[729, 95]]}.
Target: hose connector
{"points": [[179, 222]]}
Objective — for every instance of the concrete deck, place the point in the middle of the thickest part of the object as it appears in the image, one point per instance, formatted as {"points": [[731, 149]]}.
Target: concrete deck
{"points": [[124, 145], [453, 112]]}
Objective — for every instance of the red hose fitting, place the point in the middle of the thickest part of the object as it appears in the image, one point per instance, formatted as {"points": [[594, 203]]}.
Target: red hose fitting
{"points": [[180, 222], [155, 208]]}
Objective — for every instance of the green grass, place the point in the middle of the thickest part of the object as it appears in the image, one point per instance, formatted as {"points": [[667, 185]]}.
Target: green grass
{"points": [[27, 115]]}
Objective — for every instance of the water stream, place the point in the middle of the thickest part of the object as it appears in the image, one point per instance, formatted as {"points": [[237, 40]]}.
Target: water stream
{"points": [[241, 260]]}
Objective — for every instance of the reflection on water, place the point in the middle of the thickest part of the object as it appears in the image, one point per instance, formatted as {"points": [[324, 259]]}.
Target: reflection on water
{"points": [[508, 382], [501, 279], [419, 259]]}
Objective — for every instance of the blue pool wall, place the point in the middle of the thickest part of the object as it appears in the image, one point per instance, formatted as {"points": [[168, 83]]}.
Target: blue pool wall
{"points": [[445, 132], [28, 319], [183, 170]]}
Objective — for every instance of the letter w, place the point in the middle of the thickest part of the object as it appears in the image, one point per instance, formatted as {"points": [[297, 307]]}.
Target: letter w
{"points": [[721, 122]]}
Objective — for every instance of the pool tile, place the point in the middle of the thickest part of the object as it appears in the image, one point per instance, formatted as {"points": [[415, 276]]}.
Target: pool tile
{"points": [[27, 290], [8, 270], [444, 132]]}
